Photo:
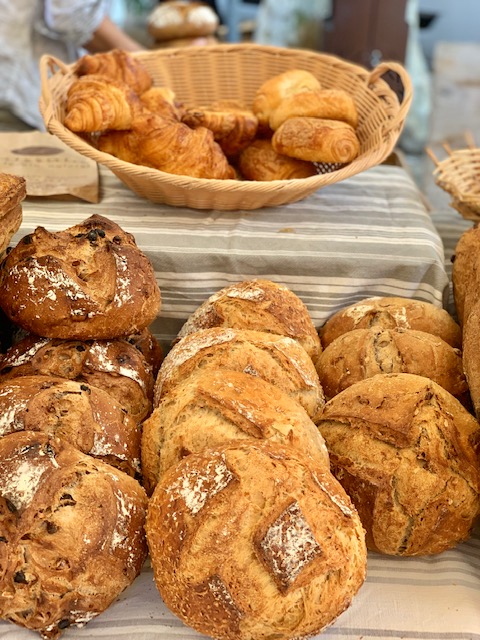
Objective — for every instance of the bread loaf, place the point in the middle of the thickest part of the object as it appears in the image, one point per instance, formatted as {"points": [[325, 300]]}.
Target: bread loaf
{"points": [[12, 193], [213, 407], [89, 281], [253, 541], [407, 453], [85, 416], [390, 312], [115, 366], [363, 353], [71, 533], [466, 273], [175, 19], [260, 305], [276, 359]]}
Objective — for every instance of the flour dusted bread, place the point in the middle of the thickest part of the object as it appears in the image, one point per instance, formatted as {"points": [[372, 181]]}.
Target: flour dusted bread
{"points": [[116, 366], [86, 416], [175, 19], [389, 312], [253, 541], [89, 281], [363, 353], [274, 358], [260, 305], [407, 453], [213, 407], [71, 533], [12, 193]]}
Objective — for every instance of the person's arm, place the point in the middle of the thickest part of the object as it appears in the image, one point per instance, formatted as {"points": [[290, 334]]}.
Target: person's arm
{"points": [[109, 36]]}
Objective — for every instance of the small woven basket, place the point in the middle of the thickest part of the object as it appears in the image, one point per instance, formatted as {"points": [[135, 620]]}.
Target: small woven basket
{"points": [[199, 75], [459, 175]]}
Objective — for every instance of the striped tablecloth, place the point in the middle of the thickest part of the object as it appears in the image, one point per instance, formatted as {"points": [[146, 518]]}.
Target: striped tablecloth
{"points": [[370, 235]]}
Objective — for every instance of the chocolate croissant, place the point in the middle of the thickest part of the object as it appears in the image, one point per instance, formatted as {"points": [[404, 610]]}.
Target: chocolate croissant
{"points": [[116, 65], [95, 103]]}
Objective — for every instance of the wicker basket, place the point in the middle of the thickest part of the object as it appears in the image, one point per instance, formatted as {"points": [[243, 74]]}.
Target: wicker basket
{"points": [[199, 75], [459, 175]]}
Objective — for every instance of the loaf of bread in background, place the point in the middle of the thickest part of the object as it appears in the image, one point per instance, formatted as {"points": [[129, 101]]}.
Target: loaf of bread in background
{"points": [[407, 453], [253, 541], [389, 312], [276, 359], [176, 19], [363, 353], [212, 407], [116, 366], [72, 533], [261, 305], [85, 416], [90, 281]]}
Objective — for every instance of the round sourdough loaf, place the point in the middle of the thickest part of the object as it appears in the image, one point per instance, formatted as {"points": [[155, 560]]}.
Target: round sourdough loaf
{"points": [[253, 541], [363, 353], [90, 281], [215, 406], [407, 453], [116, 366], [391, 312], [12, 193], [277, 359], [466, 273], [260, 305], [176, 19], [87, 417], [71, 533]]}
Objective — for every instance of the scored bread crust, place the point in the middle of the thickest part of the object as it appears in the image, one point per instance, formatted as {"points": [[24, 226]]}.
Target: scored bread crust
{"points": [[89, 281], [389, 312], [363, 353], [274, 358], [406, 451], [84, 415], [254, 541], [72, 533], [260, 305], [177, 19], [212, 407]]}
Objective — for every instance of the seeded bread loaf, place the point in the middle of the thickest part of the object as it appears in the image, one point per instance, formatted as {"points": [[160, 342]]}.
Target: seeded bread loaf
{"points": [[71, 533], [253, 541]]}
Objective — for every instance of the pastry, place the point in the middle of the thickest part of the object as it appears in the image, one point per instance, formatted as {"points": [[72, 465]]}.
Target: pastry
{"points": [[116, 65], [259, 161]]}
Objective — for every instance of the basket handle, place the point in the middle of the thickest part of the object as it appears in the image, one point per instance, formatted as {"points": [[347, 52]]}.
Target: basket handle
{"points": [[405, 85], [48, 65]]}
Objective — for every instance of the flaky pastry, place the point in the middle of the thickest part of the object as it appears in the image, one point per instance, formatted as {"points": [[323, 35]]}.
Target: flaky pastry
{"points": [[116, 65], [259, 161]]}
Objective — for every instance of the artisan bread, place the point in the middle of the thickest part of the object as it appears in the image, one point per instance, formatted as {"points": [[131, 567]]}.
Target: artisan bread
{"points": [[260, 305], [259, 161], [274, 90], [328, 104], [71, 533], [87, 417], [390, 312], [274, 358], [407, 453], [212, 407], [176, 19], [12, 193], [316, 140], [471, 355], [89, 281], [363, 353], [253, 541], [116, 366], [466, 273]]}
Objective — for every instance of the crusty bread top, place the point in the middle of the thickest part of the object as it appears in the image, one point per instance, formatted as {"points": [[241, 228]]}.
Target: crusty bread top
{"points": [[13, 190]]}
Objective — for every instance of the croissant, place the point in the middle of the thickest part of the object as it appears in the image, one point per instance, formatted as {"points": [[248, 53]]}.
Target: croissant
{"points": [[161, 100], [95, 103], [169, 146], [316, 140], [233, 126], [116, 65]]}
